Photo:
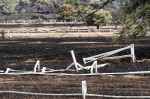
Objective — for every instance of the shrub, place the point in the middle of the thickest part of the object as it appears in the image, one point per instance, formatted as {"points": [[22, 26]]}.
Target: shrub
{"points": [[40, 16]]}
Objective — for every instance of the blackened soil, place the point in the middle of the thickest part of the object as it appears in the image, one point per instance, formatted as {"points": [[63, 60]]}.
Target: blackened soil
{"points": [[112, 85], [21, 54], [55, 53]]}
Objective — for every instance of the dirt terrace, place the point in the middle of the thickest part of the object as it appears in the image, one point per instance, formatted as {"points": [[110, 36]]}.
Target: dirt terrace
{"points": [[21, 54]]}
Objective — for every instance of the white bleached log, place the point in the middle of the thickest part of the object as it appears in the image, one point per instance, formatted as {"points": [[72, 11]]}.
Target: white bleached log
{"points": [[74, 60], [76, 94], [8, 70], [70, 66], [75, 63], [80, 67], [105, 55], [98, 66], [116, 57], [48, 70]]}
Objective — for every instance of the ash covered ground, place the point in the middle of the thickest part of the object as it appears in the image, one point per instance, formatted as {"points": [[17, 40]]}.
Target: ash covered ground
{"points": [[55, 53], [21, 54]]}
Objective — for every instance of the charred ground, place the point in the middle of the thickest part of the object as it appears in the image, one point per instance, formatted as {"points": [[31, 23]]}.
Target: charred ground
{"points": [[21, 54]]}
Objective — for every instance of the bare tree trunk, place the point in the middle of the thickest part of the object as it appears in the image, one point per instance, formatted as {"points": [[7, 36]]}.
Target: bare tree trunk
{"points": [[2, 34], [97, 26], [38, 9]]}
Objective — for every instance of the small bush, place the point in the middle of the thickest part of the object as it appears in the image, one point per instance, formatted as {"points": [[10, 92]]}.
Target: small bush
{"points": [[115, 39], [37, 16]]}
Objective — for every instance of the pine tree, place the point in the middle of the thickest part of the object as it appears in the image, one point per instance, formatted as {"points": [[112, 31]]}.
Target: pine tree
{"points": [[132, 12]]}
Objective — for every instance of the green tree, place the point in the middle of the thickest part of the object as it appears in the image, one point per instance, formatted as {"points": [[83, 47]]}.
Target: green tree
{"points": [[67, 12], [133, 11], [46, 5], [80, 6], [99, 18], [43, 5], [95, 3], [8, 6], [24, 6]]}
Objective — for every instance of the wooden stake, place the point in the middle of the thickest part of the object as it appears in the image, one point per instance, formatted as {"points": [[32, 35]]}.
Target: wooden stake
{"points": [[38, 65], [96, 67], [84, 89], [43, 69], [132, 53], [92, 67], [7, 70]]}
